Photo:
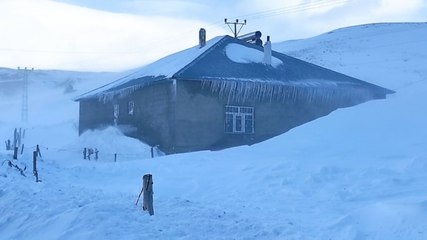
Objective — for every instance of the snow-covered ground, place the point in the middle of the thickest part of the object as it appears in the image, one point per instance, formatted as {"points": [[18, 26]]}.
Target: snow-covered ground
{"points": [[358, 173]]}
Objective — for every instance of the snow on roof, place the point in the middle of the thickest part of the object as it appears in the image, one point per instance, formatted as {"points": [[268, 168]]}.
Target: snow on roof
{"points": [[242, 54], [163, 68], [225, 62]]}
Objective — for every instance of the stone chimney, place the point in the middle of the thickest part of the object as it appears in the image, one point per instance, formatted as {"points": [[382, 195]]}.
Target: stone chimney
{"points": [[202, 37], [267, 52]]}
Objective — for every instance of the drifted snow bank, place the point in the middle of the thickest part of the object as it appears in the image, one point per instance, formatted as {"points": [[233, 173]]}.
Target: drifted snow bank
{"points": [[112, 141], [241, 54]]}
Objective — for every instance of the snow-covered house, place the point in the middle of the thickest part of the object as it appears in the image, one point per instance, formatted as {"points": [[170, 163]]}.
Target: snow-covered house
{"points": [[220, 94]]}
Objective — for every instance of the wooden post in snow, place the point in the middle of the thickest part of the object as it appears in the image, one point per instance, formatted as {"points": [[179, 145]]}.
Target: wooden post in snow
{"points": [[15, 138], [36, 174], [84, 153], [15, 153], [8, 146], [19, 137], [147, 181]]}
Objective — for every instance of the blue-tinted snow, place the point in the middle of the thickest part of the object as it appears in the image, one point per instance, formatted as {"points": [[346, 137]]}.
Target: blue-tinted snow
{"points": [[358, 173]]}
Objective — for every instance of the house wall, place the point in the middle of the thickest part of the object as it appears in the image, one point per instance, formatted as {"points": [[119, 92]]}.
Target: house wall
{"points": [[200, 118], [94, 114], [187, 117], [151, 122]]}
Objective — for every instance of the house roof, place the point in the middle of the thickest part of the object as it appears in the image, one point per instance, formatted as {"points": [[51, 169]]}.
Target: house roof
{"points": [[227, 64]]}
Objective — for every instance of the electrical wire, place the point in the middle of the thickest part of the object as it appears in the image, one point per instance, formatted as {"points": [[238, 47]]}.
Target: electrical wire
{"points": [[251, 16]]}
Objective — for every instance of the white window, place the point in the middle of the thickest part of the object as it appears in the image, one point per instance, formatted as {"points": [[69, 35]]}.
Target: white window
{"points": [[239, 119], [131, 107], [116, 113]]}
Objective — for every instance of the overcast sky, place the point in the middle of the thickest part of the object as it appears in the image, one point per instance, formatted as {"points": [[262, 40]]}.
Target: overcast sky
{"points": [[115, 35]]}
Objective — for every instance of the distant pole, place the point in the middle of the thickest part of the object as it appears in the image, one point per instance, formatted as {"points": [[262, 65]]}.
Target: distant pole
{"points": [[235, 23], [24, 109]]}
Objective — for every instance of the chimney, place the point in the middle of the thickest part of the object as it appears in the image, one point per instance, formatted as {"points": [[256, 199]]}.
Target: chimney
{"points": [[202, 37], [267, 52]]}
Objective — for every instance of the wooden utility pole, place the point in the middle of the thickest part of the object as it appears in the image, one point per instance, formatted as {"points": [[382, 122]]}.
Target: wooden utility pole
{"points": [[235, 23]]}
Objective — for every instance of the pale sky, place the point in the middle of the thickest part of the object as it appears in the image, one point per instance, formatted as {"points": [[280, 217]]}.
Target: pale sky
{"points": [[116, 35]]}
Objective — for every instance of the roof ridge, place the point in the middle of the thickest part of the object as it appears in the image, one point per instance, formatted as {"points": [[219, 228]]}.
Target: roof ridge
{"points": [[194, 61]]}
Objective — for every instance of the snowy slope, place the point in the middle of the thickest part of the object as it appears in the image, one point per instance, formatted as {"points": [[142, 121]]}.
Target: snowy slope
{"points": [[359, 173], [394, 53]]}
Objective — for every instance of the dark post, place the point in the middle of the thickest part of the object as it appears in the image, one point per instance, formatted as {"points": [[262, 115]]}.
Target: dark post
{"points": [[15, 153], [152, 152], [22, 149], [8, 147], [148, 193], [36, 174], [84, 153], [89, 152], [96, 154], [15, 138], [115, 157], [38, 151], [19, 136]]}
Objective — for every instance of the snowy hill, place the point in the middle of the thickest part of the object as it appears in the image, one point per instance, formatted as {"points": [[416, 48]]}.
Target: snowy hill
{"points": [[359, 173], [386, 49]]}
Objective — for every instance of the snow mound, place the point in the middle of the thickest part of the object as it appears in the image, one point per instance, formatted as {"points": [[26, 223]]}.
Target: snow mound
{"points": [[241, 54], [393, 221], [111, 141]]}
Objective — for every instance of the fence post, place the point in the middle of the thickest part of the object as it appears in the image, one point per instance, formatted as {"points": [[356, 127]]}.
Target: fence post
{"points": [[15, 153], [96, 154], [115, 157], [15, 138], [19, 136], [148, 193], [22, 149], [7, 145], [152, 152], [84, 153], [36, 174]]}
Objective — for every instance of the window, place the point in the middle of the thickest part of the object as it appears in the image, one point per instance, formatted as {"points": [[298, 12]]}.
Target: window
{"points": [[116, 113], [239, 119], [131, 107]]}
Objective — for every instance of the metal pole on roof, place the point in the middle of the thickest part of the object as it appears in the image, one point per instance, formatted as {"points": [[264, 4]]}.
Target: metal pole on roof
{"points": [[235, 23]]}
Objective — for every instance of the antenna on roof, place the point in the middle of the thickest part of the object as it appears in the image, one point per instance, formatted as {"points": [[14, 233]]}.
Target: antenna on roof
{"points": [[235, 23]]}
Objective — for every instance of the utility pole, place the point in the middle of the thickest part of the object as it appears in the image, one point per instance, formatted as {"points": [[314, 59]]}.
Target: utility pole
{"points": [[235, 23], [24, 109]]}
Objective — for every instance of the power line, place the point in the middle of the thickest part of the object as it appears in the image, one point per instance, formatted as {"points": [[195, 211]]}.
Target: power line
{"points": [[293, 9], [255, 15]]}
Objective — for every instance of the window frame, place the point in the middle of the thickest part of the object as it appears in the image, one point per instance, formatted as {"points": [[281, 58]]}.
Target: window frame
{"points": [[236, 119], [131, 108]]}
